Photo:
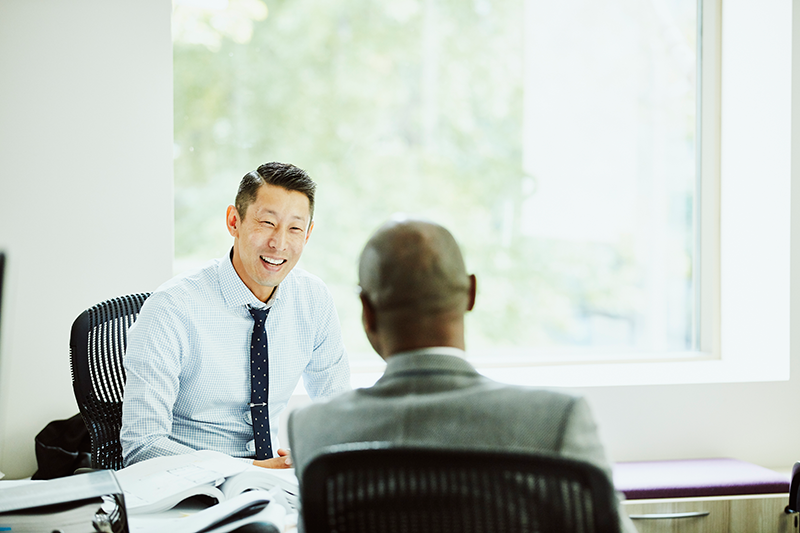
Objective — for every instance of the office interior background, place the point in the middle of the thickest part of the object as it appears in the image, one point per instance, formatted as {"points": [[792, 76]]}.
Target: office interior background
{"points": [[87, 213]]}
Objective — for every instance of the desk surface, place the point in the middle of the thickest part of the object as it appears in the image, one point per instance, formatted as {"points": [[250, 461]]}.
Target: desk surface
{"points": [[172, 520]]}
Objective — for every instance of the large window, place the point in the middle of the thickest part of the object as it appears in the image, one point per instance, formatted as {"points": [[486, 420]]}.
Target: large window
{"points": [[557, 140]]}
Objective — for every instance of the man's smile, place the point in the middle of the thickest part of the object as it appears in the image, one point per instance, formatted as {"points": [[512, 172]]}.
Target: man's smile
{"points": [[272, 261]]}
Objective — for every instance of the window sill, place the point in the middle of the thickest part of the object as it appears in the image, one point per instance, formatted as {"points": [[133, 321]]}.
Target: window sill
{"points": [[678, 369]]}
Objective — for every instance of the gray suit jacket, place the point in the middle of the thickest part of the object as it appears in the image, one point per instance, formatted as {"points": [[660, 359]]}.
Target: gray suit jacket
{"points": [[442, 401]]}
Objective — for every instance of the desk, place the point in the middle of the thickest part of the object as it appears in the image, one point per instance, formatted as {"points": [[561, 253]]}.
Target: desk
{"points": [[179, 518], [704, 495], [729, 514], [184, 518]]}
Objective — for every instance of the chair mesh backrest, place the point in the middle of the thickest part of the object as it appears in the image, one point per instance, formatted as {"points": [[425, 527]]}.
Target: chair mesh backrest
{"points": [[403, 490], [97, 345]]}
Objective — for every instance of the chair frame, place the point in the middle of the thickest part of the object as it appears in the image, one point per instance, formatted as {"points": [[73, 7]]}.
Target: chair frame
{"points": [[97, 346], [794, 490], [371, 487]]}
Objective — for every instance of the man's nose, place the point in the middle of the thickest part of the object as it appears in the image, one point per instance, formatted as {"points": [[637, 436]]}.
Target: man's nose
{"points": [[278, 239]]}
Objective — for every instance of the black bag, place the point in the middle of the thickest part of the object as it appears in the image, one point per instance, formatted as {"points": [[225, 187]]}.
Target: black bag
{"points": [[62, 447]]}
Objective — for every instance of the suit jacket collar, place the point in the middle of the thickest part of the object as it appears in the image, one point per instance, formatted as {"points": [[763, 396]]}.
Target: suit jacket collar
{"points": [[428, 361]]}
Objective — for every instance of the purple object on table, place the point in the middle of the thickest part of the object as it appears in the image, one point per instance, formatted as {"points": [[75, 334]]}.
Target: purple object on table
{"points": [[695, 478]]}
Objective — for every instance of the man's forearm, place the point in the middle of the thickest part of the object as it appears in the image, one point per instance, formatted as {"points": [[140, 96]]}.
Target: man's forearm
{"points": [[136, 452]]}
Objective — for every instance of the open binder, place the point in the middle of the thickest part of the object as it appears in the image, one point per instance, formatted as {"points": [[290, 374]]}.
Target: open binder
{"points": [[72, 504]]}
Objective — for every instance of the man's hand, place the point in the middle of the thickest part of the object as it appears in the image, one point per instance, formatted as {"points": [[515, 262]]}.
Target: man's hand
{"points": [[284, 460]]}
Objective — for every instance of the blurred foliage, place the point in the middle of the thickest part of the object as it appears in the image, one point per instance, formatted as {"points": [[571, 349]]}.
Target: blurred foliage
{"points": [[411, 106]]}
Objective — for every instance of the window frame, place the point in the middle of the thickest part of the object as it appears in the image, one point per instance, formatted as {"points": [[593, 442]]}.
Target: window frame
{"points": [[744, 231]]}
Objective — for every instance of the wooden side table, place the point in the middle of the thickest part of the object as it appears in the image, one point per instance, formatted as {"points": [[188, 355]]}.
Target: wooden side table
{"points": [[704, 495]]}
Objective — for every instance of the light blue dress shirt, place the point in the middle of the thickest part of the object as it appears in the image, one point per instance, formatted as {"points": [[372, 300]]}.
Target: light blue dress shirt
{"points": [[188, 361]]}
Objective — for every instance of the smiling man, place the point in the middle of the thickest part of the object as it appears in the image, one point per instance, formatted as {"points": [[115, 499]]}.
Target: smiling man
{"points": [[216, 353]]}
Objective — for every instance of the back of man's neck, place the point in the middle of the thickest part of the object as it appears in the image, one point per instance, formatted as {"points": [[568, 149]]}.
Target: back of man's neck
{"points": [[439, 350]]}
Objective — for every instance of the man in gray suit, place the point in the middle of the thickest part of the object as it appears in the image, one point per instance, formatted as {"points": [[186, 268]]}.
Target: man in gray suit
{"points": [[415, 291]]}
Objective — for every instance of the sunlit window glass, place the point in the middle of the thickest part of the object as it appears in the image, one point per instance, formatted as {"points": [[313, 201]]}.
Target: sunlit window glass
{"points": [[555, 139]]}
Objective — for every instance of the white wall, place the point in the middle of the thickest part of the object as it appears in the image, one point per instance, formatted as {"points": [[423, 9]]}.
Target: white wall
{"points": [[85, 187]]}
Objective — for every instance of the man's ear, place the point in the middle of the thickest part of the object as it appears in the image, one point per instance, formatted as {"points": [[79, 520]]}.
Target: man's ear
{"points": [[473, 291], [310, 227], [368, 318], [232, 221]]}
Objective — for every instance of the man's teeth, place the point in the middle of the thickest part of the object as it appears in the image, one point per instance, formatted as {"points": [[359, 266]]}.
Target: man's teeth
{"points": [[273, 261]]}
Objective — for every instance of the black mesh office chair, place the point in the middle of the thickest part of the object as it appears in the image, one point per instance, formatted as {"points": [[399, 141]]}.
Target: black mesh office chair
{"points": [[794, 490], [371, 488], [96, 347]]}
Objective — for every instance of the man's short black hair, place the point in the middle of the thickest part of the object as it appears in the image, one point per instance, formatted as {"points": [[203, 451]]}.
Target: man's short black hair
{"points": [[283, 175]]}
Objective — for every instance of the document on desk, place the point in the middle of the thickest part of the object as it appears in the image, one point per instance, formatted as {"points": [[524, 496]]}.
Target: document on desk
{"points": [[72, 504], [253, 507], [158, 484]]}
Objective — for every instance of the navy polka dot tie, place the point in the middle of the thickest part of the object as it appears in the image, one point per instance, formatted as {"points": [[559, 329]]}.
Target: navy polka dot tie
{"points": [[259, 384]]}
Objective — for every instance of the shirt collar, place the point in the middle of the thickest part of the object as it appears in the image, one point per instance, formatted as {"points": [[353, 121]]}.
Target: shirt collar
{"points": [[444, 350], [235, 292]]}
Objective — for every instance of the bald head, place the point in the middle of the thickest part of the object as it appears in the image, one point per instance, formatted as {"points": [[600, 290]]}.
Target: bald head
{"points": [[414, 288], [414, 266]]}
